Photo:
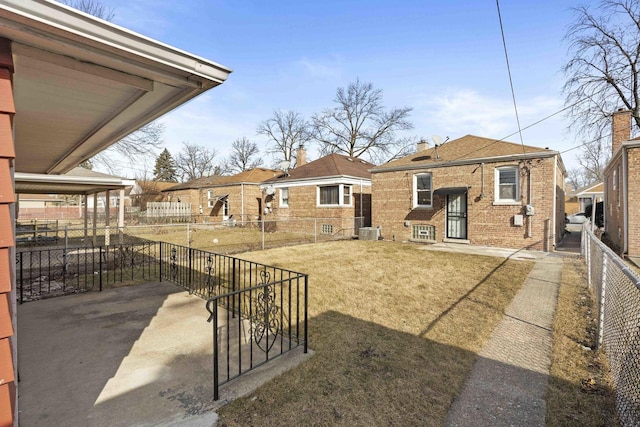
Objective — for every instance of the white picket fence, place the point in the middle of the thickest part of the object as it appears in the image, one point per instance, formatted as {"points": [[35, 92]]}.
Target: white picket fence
{"points": [[176, 210]]}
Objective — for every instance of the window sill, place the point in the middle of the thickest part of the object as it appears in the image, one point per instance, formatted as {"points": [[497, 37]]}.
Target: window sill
{"points": [[334, 206], [422, 241], [423, 207], [507, 203]]}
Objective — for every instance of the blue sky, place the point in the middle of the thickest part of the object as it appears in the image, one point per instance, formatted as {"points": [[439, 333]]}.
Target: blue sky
{"points": [[444, 59]]}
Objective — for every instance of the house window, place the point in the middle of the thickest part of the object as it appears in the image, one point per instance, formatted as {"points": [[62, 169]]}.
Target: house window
{"points": [[507, 184], [346, 196], [330, 195], [422, 190], [284, 197], [619, 184], [423, 232], [210, 199], [326, 229]]}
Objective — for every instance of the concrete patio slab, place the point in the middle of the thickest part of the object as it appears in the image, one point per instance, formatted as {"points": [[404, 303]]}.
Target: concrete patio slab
{"points": [[132, 356]]}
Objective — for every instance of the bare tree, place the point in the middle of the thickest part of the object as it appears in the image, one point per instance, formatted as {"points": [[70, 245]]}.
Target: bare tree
{"points": [[602, 74], [286, 132], [579, 177], [359, 124], [92, 7], [194, 161], [136, 147], [243, 155]]}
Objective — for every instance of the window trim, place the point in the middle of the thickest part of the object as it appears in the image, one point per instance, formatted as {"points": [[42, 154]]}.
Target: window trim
{"points": [[281, 200], [415, 190], [340, 203], [496, 196]]}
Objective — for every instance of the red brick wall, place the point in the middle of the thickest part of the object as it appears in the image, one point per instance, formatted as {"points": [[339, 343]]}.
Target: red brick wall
{"points": [[303, 205], [614, 205], [633, 194], [487, 224]]}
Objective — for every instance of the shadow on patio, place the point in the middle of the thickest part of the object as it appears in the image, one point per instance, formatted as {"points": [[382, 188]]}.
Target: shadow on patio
{"points": [[137, 355]]}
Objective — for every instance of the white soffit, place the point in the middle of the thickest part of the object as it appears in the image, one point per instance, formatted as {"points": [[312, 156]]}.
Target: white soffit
{"points": [[81, 84]]}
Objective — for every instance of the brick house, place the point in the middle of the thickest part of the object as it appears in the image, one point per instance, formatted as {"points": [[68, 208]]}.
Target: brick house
{"points": [[472, 190], [70, 86], [333, 188], [222, 198], [622, 190], [578, 200]]}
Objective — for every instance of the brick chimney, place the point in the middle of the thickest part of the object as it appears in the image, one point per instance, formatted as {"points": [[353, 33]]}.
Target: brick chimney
{"points": [[301, 156], [621, 128], [422, 145]]}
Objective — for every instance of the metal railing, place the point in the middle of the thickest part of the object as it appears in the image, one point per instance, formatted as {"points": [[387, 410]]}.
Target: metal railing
{"points": [[259, 312], [44, 273], [616, 289]]}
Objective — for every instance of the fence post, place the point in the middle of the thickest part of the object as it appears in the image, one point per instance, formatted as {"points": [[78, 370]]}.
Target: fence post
{"points": [[188, 236], [262, 231], [588, 256], [100, 264], [215, 351], [160, 256], [66, 237], [315, 230], [233, 286], [306, 318], [190, 275], [603, 286]]}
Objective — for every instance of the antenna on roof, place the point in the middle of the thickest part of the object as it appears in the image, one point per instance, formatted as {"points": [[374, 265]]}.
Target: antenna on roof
{"points": [[284, 165], [437, 141]]}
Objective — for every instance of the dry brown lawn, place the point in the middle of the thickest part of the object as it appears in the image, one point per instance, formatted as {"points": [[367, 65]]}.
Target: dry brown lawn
{"points": [[395, 331], [580, 392]]}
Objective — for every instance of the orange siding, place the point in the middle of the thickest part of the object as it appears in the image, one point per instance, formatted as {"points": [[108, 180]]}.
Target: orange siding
{"points": [[7, 283]]}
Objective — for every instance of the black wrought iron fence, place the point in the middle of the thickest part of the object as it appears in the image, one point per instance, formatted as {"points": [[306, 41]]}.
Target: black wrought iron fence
{"points": [[259, 312], [256, 324], [616, 289], [43, 273]]}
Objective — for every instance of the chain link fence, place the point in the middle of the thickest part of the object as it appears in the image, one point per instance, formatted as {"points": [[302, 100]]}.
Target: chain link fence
{"points": [[616, 289], [228, 237]]}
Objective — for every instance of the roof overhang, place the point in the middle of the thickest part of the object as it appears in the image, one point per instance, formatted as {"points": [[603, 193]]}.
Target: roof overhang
{"points": [[30, 183], [451, 190], [82, 84]]}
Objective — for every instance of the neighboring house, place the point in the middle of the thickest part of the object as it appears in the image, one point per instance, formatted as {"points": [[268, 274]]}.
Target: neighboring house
{"points": [[39, 201], [578, 200], [472, 190], [332, 187], [622, 190], [223, 198], [143, 192]]}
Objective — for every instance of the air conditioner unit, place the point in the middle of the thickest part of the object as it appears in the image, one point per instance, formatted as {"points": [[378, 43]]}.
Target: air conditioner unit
{"points": [[368, 233]]}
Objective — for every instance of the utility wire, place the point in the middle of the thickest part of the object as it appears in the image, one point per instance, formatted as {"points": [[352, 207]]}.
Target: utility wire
{"points": [[513, 94]]}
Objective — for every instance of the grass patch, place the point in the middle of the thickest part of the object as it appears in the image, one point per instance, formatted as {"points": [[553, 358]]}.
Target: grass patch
{"points": [[395, 329], [580, 392]]}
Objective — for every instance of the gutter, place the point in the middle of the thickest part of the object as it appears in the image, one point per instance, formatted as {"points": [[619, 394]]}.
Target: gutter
{"points": [[495, 159], [57, 21]]}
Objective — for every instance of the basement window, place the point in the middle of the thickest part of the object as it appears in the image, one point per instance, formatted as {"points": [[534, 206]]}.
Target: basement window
{"points": [[423, 233]]}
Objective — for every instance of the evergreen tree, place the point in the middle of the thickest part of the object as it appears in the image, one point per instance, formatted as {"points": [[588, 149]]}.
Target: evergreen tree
{"points": [[165, 169]]}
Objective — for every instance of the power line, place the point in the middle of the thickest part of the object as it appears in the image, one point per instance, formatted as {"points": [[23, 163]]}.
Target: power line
{"points": [[513, 93]]}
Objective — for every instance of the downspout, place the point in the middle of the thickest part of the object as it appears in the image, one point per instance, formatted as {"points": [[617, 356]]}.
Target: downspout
{"points": [[625, 206], [242, 201], [530, 199], [482, 180], [554, 214], [361, 201]]}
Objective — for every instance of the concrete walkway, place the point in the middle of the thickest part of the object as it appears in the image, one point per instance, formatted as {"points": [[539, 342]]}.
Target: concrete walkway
{"points": [[508, 382]]}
